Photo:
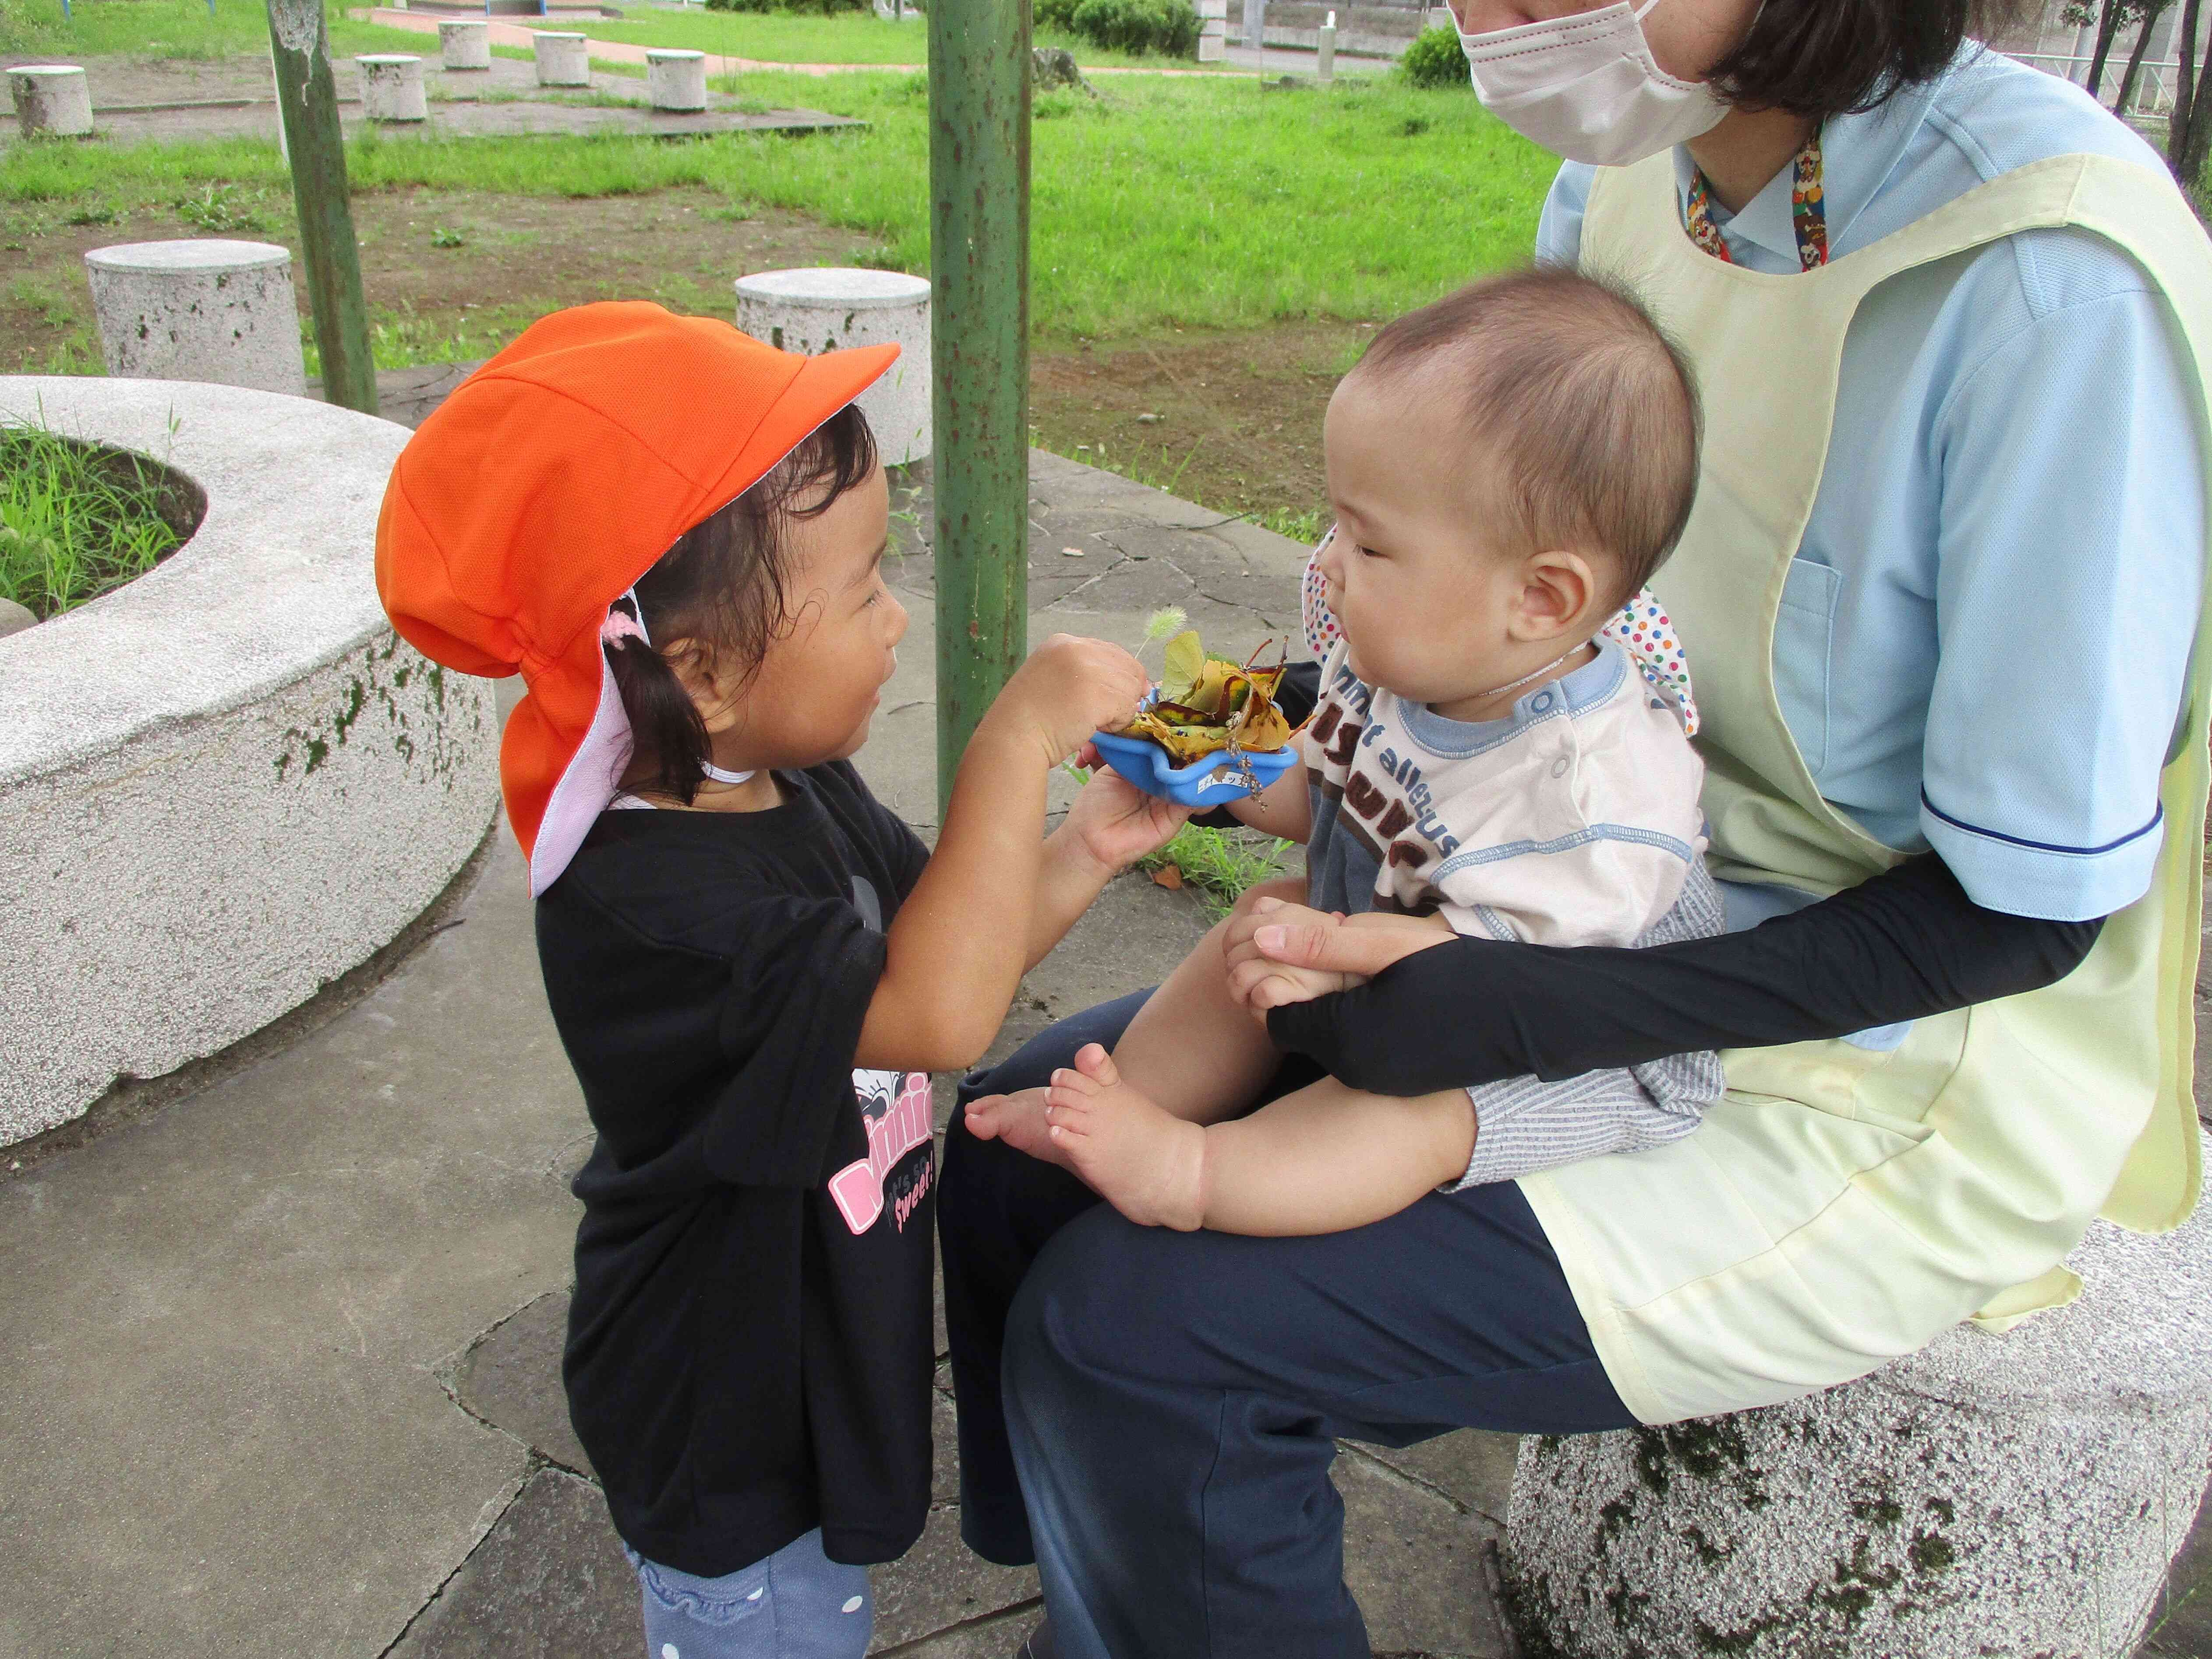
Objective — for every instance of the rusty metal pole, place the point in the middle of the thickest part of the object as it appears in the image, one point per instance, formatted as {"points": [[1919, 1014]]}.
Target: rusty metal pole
{"points": [[979, 271], [314, 143]]}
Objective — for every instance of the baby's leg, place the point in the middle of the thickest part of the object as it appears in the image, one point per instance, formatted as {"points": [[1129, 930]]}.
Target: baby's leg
{"points": [[1323, 1159], [1193, 1049]]}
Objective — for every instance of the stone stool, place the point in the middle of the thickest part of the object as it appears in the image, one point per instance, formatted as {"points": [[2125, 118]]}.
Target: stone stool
{"points": [[1213, 31], [827, 308], [391, 87], [2016, 1495], [675, 80], [462, 44], [563, 60], [51, 98], [198, 310]]}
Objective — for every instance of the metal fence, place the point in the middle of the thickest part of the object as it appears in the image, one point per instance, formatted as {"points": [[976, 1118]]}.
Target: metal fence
{"points": [[2154, 93]]}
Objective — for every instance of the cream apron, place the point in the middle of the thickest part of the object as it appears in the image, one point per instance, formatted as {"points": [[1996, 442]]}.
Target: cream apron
{"points": [[1841, 1206]]}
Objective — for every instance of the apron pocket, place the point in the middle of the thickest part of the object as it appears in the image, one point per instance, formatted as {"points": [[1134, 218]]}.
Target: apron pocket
{"points": [[1804, 629]]}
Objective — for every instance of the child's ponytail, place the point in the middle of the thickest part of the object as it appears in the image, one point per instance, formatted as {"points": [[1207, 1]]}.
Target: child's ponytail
{"points": [[721, 587]]}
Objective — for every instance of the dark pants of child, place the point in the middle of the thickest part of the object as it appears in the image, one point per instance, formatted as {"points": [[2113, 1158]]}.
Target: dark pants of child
{"points": [[1162, 1445]]}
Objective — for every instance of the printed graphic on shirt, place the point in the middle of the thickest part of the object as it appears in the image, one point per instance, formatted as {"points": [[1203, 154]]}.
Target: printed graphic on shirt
{"points": [[1381, 800], [895, 1105]]}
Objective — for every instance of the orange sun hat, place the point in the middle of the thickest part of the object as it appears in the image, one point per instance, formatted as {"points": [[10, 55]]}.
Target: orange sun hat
{"points": [[546, 484]]}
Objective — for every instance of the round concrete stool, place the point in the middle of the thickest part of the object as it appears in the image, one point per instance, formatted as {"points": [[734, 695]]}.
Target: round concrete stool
{"points": [[563, 60], [391, 87], [2021, 1494], [51, 98], [200, 310], [827, 308], [462, 44], [675, 80]]}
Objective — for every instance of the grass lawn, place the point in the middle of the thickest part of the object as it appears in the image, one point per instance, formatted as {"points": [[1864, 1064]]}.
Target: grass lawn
{"points": [[1207, 253], [185, 28], [74, 522]]}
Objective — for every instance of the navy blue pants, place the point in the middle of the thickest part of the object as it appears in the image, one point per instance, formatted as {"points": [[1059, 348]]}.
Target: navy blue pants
{"points": [[1149, 1415]]}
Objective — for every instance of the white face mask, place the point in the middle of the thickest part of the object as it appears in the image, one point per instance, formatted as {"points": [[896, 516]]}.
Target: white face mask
{"points": [[1586, 86]]}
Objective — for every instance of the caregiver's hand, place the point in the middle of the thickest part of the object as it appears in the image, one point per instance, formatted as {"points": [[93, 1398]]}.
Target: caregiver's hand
{"points": [[1332, 952]]}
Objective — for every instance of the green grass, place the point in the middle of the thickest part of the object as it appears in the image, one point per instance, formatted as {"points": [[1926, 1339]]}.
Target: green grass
{"points": [[1220, 864], [185, 29], [1168, 202], [73, 524]]}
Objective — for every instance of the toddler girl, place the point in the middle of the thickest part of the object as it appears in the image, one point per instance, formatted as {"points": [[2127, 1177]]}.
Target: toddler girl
{"points": [[675, 534]]}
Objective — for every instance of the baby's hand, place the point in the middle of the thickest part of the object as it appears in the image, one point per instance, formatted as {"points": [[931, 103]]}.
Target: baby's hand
{"points": [[1260, 984]]}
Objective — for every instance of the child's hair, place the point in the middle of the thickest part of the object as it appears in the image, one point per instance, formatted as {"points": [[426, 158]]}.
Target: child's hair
{"points": [[1589, 410], [725, 584]]}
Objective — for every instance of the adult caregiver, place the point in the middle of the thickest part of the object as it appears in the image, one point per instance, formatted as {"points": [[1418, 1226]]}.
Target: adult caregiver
{"points": [[1939, 595]]}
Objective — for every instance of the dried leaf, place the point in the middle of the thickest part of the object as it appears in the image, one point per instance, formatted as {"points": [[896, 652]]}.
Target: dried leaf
{"points": [[1168, 875]]}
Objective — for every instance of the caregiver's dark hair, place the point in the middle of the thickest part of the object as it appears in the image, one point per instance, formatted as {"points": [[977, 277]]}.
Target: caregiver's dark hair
{"points": [[1821, 58]]}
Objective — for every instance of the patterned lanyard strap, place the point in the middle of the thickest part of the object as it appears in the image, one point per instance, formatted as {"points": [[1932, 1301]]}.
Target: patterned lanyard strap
{"points": [[1808, 211]]}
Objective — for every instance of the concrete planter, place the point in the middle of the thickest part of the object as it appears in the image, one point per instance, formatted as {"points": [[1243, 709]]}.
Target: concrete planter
{"points": [[227, 783], [1989, 1497]]}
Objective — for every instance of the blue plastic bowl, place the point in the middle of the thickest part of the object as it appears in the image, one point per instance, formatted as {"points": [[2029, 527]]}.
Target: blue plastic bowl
{"points": [[1213, 782]]}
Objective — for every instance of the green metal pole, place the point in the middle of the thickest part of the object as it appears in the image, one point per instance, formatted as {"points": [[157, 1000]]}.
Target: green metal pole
{"points": [[979, 271], [300, 44]]}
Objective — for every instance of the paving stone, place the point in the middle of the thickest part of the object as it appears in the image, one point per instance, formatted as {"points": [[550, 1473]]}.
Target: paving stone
{"points": [[940, 1583], [2183, 1627], [1411, 1560], [1474, 1468], [511, 1377], [992, 1638], [548, 1579]]}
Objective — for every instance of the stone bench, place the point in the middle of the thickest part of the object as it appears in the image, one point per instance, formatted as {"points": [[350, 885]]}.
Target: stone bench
{"points": [[463, 44], [203, 308], [2015, 1494], [392, 87], [563, 59], [227, 783], [675, 79], [827, 308], [52, 99]]}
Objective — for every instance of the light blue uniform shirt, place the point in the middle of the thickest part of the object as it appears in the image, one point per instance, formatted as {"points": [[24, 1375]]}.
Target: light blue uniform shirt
{"points": [[1984, 634]]}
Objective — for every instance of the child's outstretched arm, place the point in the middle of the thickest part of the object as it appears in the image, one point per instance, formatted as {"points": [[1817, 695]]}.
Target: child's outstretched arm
{"points": [[959, 945]]}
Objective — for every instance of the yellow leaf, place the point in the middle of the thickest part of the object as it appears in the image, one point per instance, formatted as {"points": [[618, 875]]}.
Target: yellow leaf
{"points": [[1186, 661]]}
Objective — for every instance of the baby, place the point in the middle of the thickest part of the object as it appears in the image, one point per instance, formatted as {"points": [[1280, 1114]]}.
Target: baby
{"points": [[1507, 466]]}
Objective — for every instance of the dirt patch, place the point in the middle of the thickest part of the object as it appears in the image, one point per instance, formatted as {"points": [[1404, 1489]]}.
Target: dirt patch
{"points": [[1233, 419]]}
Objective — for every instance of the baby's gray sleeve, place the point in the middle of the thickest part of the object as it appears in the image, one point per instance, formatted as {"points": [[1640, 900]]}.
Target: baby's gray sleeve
{"points": [[1525, 1124]]}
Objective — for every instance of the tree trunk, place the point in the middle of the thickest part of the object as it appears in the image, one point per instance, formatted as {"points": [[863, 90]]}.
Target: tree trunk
{"points": [[2108, 28], [2197, 141], [2152, 12], [2184, 95]]}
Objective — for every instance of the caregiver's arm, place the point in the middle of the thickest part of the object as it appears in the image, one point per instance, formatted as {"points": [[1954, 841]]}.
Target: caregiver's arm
{"points": [[1902, 945]]}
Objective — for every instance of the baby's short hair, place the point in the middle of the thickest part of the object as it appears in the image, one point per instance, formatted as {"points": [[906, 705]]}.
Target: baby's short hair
{"points": [[1589, 410]]}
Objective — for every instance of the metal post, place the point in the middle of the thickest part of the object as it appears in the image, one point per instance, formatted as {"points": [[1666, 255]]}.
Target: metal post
{"points": [[307, 97], [979, 268]]}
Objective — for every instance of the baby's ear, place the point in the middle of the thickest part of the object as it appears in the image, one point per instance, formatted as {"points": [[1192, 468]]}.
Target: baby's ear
{"points": [[1558, 591]]}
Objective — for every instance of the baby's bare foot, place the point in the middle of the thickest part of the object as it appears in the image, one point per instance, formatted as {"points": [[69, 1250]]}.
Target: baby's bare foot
{"points": [[1018, 1119], [1146, 1163]]}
